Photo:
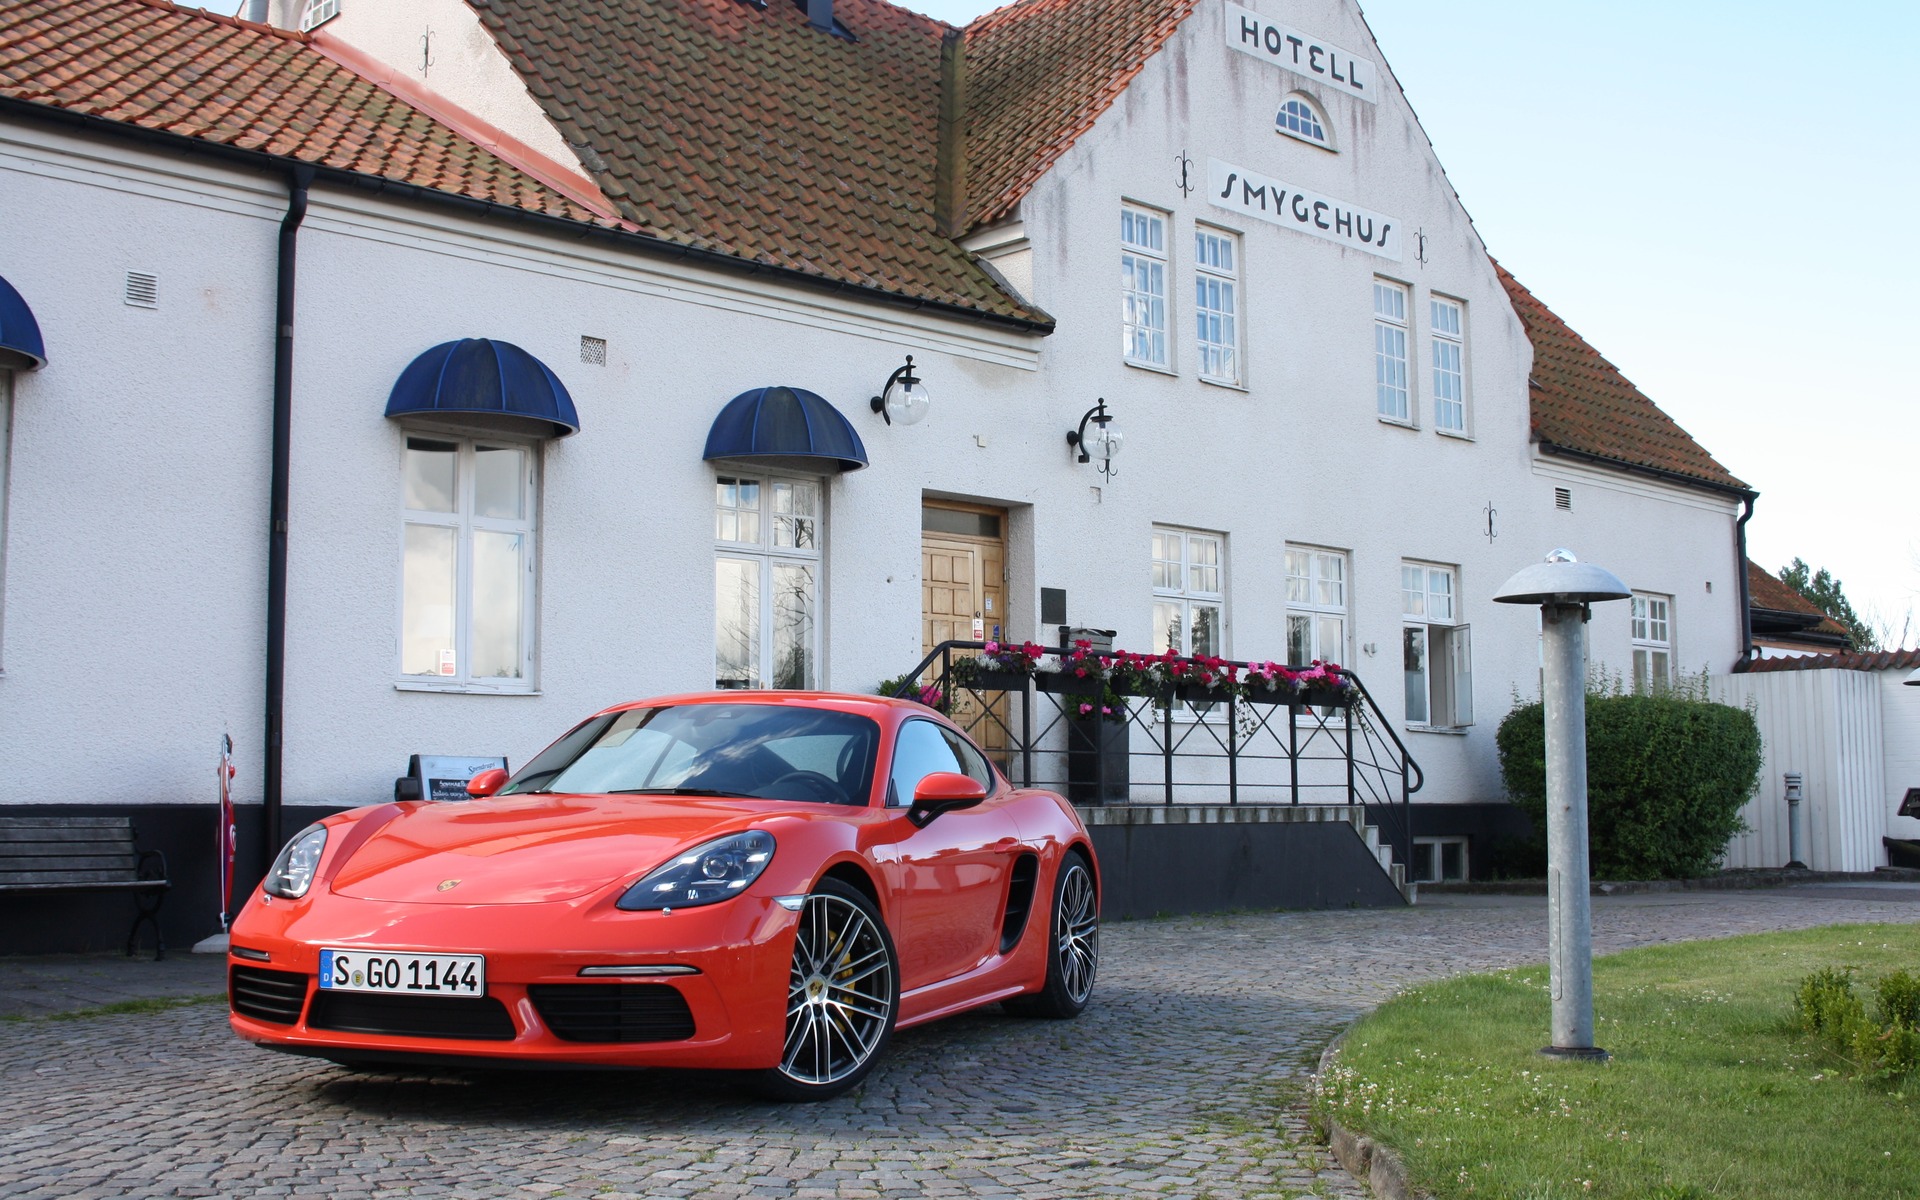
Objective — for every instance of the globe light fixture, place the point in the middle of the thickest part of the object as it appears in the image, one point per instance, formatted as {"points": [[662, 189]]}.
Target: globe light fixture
{"points": [[904, 399], [1103, 441]]}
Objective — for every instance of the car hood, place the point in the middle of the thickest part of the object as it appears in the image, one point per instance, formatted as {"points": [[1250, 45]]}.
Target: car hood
{"points": [[531, 849]]}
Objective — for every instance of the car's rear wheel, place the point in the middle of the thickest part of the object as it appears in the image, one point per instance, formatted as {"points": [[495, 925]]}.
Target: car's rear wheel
{"points": [[1073, 945], [843, 995]]}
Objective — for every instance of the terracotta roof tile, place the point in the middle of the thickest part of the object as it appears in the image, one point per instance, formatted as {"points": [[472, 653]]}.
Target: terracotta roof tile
{"points": [[1039, 73], [1765, 591], [200, 75], [1581, 402], [745, 131], [1871, 660]]}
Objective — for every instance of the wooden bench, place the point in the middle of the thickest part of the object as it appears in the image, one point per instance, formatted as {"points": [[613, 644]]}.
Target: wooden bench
{"points": [[49, 855]]}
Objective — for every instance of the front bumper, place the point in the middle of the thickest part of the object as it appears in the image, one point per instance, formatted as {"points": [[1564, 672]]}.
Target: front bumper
{"points": [[740, 950]]}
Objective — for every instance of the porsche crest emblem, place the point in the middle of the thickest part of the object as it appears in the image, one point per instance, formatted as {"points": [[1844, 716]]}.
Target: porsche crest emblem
{"points": [[447, 885]]}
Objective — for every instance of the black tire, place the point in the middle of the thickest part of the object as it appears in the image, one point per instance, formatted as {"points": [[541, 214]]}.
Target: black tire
{"points": [[843, 996], [1073, 945]]}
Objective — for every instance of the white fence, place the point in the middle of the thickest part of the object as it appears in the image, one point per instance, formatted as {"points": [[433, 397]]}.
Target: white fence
{"points": [[1828, 725]]}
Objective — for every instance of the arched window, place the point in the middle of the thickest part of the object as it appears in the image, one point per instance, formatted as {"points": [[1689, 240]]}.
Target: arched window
{"points": [[1300, 118]]}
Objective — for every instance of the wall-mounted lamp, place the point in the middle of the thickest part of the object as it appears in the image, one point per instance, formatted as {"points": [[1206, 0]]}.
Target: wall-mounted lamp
{"points": [[904, 398], [1101, 442]]}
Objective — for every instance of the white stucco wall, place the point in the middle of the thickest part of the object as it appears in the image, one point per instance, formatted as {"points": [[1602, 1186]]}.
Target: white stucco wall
{"points": [[1900, 746], [135, 580]]}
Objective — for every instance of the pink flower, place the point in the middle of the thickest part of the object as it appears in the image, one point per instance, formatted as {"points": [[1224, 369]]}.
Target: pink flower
{"points": [[1106, 710], [1085, 709]]}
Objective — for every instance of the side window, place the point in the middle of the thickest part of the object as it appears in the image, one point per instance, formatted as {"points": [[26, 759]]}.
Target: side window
{"points": [[920, 749], [972, 763]]}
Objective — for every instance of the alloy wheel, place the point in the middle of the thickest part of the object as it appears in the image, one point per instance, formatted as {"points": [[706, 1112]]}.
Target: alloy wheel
{"points": [[839, 992]]}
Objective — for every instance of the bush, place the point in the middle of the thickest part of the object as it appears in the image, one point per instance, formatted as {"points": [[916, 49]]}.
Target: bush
{"points": [[1667, 776], [1886, 1048]]}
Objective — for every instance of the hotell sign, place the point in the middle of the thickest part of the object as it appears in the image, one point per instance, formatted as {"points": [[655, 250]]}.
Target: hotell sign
{"points": [[1251, 33]]}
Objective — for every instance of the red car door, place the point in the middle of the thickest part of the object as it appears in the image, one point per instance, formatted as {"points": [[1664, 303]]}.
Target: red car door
{"points": [[949, 879]]}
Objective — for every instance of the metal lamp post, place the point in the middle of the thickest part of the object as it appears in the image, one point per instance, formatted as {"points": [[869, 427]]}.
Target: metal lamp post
{"points": [[1563, 587]]}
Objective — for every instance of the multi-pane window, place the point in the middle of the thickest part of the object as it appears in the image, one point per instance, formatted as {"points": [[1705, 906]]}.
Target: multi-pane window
{"points": [[1298, 118], [1216, 303], [1449, 364], [1436, 649], [1189, 592], [315, 13], [767, 539], [1390, 350], [1652, 641], [1439, 860], [1316, 605], [1143, 286], [466, 576]]}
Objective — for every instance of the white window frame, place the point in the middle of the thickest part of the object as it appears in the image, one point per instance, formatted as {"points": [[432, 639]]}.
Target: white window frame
{"points": [[1435, 865], [1145, 264], [1652, 630], [1180, 578], [767, 557], [465, 524], [1288, 124], [315, 13], [1436, 647], [1318, 580], [1449, 351], [1393, 389], [1217, 303]]}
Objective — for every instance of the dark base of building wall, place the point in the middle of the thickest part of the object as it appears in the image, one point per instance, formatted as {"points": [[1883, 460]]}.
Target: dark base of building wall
{"points": [[185, 833], [1497, 833], [1158, 861]]}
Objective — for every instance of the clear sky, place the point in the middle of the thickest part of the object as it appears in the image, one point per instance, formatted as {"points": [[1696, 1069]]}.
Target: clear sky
{"points": [[1721, 196]]}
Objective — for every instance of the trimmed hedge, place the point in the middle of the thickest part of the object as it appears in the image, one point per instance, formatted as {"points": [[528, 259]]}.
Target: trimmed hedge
{"points": [[1667, 776]]}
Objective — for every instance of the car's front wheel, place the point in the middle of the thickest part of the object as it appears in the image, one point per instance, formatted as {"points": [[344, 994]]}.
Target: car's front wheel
{"points": [[1073, 945], [843, 995]]}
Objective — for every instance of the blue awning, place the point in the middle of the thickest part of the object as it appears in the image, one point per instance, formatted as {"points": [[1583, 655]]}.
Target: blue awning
{"points": [[776, 423], [20, 344], [495, 383]]}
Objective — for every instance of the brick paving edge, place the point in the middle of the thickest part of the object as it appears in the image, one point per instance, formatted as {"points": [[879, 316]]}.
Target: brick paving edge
{"points": [[1373, 1163], [1725, 882]]}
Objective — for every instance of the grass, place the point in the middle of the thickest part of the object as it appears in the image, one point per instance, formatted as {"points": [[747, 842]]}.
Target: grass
{"points": [[152, 1004], [1712, 1090]]}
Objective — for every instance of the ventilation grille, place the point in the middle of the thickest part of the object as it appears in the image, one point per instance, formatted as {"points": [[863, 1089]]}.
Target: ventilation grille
{"points": [[143, 289], [470, 1018], [275, 996], [593, 351], [1563, 499], [613, 1012]]}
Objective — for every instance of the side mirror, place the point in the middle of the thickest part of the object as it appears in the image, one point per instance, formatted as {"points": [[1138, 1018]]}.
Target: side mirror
{"points": [[943, 791], [487, 782]]}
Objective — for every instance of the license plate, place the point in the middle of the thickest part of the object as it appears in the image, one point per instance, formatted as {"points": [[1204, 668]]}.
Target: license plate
{"points": [[403, 974]]}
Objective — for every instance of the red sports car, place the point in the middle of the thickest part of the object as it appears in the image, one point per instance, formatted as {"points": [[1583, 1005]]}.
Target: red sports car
{"points": [[762, 881]]}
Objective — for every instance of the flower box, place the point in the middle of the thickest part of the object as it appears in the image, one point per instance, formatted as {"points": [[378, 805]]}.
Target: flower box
{"points": [[991, 680], [1065, 683], [1324, 697], [1256, 694]]}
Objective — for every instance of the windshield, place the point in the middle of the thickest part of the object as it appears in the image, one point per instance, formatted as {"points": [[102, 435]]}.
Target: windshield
{"points": [[765, 751]]}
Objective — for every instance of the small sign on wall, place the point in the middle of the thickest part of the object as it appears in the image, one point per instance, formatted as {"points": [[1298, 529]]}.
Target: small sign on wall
{"points": [[1268, 199], [1289, 49]]}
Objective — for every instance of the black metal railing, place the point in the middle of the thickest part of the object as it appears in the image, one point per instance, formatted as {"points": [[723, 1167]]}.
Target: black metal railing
{"points": [[1164, 744]]}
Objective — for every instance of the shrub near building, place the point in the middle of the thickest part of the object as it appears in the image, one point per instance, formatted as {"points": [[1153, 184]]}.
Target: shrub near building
{"points": [[1667, 775]]}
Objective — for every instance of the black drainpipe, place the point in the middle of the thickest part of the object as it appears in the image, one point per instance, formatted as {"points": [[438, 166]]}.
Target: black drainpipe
{"points": [[298, 182], [1740, 573]]}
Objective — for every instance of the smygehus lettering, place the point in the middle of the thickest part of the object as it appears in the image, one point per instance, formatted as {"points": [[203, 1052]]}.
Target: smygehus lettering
{"points": [[1249, 29], [1239, 190]]}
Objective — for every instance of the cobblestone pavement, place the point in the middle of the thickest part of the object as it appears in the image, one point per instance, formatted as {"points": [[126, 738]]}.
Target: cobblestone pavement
{"points": [[1183, 1080]]}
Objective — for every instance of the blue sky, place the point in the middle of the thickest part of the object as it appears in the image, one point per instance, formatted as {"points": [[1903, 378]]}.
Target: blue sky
{"points": [[1720, 197]]}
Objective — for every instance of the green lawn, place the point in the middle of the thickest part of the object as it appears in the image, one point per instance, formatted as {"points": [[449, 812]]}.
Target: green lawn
{"points": [[1711, 1092]]}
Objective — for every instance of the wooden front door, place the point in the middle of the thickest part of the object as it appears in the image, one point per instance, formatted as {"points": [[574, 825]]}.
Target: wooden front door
{"points": [[963, 580]]}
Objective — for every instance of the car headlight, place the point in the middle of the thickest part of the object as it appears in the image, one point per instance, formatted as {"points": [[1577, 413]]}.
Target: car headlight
{"points": [[292, 873], [705, 874]]}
